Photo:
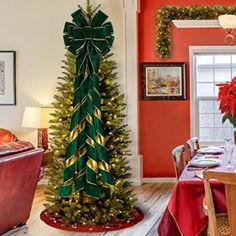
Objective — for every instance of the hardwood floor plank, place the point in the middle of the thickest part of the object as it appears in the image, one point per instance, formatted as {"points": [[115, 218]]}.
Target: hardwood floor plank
{"points": [[152, 200]]}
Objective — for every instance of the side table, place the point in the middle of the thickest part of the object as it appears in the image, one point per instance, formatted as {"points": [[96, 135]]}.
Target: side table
{"points": [[47, 158]]}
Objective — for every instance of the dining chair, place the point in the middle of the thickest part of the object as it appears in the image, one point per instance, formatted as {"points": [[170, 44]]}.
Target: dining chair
{"points": [[193, 146], [178, 155], [221, 223]]}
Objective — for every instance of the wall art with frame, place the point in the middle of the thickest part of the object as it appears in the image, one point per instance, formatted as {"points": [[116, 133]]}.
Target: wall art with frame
{"points": [[7, 78], [163, 81]]}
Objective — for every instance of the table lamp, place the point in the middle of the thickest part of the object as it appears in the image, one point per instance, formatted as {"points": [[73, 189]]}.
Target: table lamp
{"points": [[38, 117]]}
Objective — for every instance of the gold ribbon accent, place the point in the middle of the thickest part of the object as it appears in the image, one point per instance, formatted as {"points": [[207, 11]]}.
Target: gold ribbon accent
{"points": [[89, 119], [100, 139], [90, 142], [70, 161], [104, 166], [97, 113], [92, 164]]}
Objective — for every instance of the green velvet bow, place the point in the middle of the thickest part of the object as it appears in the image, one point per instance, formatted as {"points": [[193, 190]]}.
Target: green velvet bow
{"points": [[87, 164]]}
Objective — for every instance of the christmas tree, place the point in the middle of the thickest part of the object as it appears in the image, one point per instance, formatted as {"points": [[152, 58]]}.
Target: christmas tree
{"points": [[78, 207]]}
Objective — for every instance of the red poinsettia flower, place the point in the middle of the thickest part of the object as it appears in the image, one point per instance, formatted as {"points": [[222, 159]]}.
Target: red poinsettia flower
{"points": [[227, 97]]}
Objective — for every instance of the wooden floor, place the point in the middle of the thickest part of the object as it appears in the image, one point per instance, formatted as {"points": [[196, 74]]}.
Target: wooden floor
{"points": [[152, 200]]}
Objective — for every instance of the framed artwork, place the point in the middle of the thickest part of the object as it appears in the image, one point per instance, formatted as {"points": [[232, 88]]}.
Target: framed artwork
{"points": [[7, 78], [163, 81]]}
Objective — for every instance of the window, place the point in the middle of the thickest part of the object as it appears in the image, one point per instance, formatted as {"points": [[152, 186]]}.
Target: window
{"points": [[210, 66]]}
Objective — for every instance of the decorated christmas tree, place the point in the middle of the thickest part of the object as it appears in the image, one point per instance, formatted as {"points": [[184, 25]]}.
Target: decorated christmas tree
{"points": [[88, 179]]}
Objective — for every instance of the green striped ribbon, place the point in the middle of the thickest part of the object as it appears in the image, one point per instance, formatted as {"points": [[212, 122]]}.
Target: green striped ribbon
{"points": [[86, 156]]}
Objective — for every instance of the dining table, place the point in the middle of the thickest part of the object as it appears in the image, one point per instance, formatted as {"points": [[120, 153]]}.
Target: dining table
{"points": [[184, 214]]}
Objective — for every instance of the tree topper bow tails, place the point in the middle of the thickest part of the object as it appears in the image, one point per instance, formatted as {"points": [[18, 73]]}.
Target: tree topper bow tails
{"points": [[86, 157]]}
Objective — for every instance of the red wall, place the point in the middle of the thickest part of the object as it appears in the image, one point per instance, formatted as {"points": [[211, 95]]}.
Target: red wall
{"points": [[166, 124]]}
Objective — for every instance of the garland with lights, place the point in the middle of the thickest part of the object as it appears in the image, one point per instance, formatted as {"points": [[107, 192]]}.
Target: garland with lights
{"points": [[166, 14]]}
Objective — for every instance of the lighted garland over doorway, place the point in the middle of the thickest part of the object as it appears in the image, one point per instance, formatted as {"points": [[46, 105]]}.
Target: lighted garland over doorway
{"points": [[166, 14]]}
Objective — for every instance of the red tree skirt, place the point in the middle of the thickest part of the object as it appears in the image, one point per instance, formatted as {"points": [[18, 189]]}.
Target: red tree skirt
{"points": [[49, 219]]}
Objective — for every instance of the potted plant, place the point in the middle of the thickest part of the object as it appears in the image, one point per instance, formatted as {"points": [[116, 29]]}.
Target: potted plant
{"points": [[227, 98]]}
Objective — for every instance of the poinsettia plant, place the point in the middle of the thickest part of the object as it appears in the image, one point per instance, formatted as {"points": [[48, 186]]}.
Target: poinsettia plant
{"points": [[227, 98]]}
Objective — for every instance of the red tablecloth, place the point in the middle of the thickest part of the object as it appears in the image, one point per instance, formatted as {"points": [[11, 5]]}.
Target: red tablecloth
{"points": [[184, 214]]}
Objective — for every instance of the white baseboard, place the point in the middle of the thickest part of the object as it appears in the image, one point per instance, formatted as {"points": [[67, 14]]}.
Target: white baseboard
{"points": [[135, 181], [159, 180]]}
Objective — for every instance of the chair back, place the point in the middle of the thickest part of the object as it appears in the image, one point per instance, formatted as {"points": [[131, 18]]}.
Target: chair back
{"points": [[6, 136], [193, 146], [178, 155], [229, 180]]}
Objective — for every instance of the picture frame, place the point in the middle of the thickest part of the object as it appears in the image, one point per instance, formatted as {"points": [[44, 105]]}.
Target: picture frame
{"points": [[163, 81], [7, 78]]}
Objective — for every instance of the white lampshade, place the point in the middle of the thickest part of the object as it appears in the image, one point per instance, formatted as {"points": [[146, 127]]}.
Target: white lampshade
{"points": [[31, 117], [227, 21], [36, 117]]}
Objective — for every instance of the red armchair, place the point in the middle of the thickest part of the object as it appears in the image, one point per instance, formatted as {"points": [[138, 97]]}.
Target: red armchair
{"points": [[19, 170], [6, 136]]}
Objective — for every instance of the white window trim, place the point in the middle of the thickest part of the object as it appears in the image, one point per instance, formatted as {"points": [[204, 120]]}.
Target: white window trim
{"points": [[192, 77]]}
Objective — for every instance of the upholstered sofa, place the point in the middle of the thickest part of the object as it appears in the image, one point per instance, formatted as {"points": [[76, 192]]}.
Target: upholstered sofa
{"points": [[19, 174]]}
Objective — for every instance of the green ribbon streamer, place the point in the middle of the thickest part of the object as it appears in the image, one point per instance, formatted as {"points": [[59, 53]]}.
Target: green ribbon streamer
{"points": [[86, 157]]}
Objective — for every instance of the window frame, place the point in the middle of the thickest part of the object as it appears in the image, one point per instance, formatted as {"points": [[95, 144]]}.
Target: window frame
{"points": [[194, 114]]}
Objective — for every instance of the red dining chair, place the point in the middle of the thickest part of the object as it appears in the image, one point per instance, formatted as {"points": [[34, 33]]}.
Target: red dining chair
{"points": [[221, 223], [193, 146], [179, 159]]}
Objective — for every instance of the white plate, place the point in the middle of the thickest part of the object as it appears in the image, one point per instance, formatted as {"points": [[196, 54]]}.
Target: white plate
{"points": [[205, 162], [211, 150], [208, 156]]}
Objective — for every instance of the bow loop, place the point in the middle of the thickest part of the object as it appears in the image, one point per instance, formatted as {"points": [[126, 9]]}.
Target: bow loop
{"points": [[110, 40], [99, 18], [79, 19], [109, 28], [78, 33], [68, 28], [100, 33]]}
